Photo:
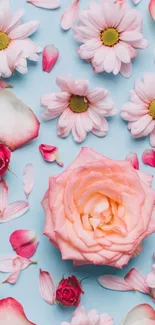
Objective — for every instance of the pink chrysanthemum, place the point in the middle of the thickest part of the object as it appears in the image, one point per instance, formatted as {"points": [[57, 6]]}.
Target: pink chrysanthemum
{"points": [[140, 112], [111, 34], [81, 109], [15, 46]]}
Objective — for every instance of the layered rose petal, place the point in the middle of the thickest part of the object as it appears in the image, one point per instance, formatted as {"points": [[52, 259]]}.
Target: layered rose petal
{"points": [[24, 242], [15, 310], [70, 14], [47, 287], [133, 158], [28, 179], [148, 157], [47, 4]]}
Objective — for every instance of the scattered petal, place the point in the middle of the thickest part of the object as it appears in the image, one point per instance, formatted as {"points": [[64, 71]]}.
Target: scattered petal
{"points": [[152, 8], [22, 125], [50, 153], [50, 56], [12, 279], [4, 84], [28, 179], [69, 15], [14, 210], [8, 263], [3, 196], [10, 306], [133, 158], [24, 242], [148, 157], [141, 314], [47, 4], [114, 283], [47, 287], [150, 278], [137, 281]]}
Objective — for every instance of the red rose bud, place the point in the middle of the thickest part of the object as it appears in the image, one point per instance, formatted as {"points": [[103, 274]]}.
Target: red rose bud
{"points": [[69, 292], [5, 155]]}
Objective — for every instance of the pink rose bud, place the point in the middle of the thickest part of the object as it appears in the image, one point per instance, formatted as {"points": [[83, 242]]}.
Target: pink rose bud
{"points": [[148, 157], [50, 56], [133, 158], [69, 15], [50, 153], [152, 8]]}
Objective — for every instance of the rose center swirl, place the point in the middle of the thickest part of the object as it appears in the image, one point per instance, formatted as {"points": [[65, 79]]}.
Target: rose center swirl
{"points": [[152, 109], [78, 104], [109, 37], [4, 41]]}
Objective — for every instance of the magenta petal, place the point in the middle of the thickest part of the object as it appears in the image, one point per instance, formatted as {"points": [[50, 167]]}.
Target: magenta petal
{"points": [[133, 158], [3, 196], [10, 306], [18, 124], [50, 56], [47, 287], [24, 242], [69, 16], [28, 179], [50, 153], [148, 157], [114, 283], [137, 281], [152, 8]]}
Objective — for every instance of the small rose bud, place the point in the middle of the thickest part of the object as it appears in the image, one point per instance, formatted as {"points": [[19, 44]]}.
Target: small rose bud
{"points": [[50, 56], [69, 292]]}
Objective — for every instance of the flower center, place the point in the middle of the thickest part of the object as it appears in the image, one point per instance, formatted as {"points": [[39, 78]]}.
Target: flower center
{"points": [[78, 104], [4, 41], [110, 37], [152, 109]]}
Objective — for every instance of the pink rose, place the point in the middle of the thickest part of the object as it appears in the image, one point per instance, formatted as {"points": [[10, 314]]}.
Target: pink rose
{"points": [[99, 210]]}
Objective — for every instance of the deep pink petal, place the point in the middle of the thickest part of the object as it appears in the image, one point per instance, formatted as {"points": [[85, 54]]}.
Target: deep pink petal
{"points": [[50, 153], [28, 179], [47, 287], [22, 125], [24, 242], [3, 196], [4, 84], [12, 312], [137, 281], [114, 283], [50, 56], [69, 16], [47, 4], [14, 210], [148, 157], [133, 158], [152, 8]]}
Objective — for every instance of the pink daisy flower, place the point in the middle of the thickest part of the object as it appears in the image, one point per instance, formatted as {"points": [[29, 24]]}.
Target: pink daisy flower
{"points": [[15, 46], [111, 33], [140, 112], [81, 109]]}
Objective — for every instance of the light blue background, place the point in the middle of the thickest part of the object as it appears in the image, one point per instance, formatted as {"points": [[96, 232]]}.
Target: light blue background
{"points": [[117, 145]]}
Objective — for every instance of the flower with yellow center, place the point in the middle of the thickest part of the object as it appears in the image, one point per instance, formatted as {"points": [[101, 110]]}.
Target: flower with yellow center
{"points": [[109, 37], [78, 104], [4, 41], [152, 109]]}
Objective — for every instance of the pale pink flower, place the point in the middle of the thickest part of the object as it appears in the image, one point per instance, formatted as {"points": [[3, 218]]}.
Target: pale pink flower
{"points": [[50, 56], [69, 15], [140, 111], [81, 109], [112, 34], [81, 317], [15, 45]]}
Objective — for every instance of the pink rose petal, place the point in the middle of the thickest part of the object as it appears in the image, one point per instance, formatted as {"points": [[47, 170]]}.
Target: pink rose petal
{"points": [[3, 196], [28, 179], [47, 287], [4, 84], [69, 15], [141, 314], [133, 158], [150, 278], [137, 281], [50, 56], [22, 125], [10, 264], [47, 4], [24, 242], [148, 157], [12, 279], [114, 283], [136, 1], [12, 313], [152, 8], [50, 153], [14, 210]]}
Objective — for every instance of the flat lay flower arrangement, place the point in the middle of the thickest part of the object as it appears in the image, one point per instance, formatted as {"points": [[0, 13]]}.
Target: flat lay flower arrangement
{"points": [[77, 159]]}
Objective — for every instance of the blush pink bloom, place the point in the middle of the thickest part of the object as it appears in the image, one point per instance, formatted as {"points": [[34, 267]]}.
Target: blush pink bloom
{"points": [[81, 109], [152, 8], [148, 157], [15, 45], [81, 317], [141, 314], [70, 14], [140, 111], [111, 34], [99, 210], [50, 56]]}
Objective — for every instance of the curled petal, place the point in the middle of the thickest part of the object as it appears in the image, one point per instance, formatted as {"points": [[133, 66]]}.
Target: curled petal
{"points": [[14, 210], [133, 158], [47, 287], [69, 15], [47, 4], [137, 281], [50, 153], [3, 196], [4, 84], [114, 283], [139, 313], [152, 8], [28, 179], [12, 279], [10, 306], [24, 242], [10, 264], [148, 157], [50, 56]]}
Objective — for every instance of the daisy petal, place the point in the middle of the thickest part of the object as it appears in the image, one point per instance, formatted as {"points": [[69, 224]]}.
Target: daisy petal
{"points": [[152, 137], [47, 287], [47, 4], [28, 179], [3, 196], [24, 31], [137, 281], [10, 306], [114, 283], [69, 15]]}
